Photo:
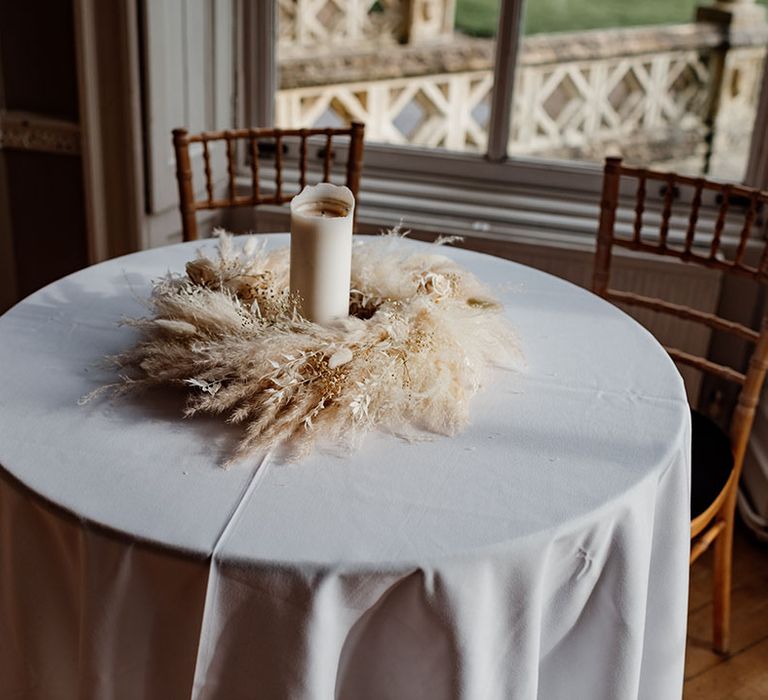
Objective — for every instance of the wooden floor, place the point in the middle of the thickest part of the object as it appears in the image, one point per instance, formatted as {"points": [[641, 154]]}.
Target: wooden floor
{"points": [[744, 674]]}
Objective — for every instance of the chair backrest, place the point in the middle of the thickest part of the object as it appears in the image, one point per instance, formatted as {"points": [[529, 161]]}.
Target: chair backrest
{"points": [[257, 141], [689, 249]]}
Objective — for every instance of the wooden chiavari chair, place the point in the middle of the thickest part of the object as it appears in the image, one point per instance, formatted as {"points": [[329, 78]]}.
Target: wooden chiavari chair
{"points": [[717, 456], [256, 141]]}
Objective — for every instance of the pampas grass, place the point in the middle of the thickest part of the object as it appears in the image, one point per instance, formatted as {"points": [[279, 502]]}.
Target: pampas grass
{"points": [[409, 358]]}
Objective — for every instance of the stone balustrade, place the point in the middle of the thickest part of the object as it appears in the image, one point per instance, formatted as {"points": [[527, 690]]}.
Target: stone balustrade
{"points": [[323, 26]]}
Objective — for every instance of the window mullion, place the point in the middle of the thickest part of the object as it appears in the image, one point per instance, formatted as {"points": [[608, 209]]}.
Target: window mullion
{"points": [[757, 169], [259, 52], [507, 48]]}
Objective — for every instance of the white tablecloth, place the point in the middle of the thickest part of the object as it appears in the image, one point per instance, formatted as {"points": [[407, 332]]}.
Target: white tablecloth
{"points": [[541, 553]]}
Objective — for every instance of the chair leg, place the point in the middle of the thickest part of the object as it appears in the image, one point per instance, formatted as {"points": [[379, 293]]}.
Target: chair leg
{"points": [[722, 586]]}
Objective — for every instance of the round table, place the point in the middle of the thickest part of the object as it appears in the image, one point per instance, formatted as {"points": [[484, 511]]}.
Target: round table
{"points": [[543, 552]]}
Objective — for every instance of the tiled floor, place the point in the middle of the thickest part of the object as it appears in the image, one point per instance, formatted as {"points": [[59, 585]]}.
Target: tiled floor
{"points": [[744, 674]]}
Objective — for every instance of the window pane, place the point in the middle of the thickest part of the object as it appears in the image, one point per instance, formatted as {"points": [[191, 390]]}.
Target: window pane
{"points": [[546, 16], [417, 72], [644, 80]]}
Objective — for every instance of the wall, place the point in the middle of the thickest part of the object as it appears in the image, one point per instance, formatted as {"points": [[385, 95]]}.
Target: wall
{"points": [[42, 211], [188, 52]]}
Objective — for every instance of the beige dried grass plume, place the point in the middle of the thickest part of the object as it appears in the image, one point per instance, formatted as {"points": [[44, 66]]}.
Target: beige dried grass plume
{"points": [[409, 358]]}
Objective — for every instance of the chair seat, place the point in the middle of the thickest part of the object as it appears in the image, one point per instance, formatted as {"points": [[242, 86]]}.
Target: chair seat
{"points": [[711, 463]]}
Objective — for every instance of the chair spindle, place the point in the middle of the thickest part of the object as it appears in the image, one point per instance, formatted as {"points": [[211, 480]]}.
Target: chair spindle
{"points": [[693, 219], [355, 161], [639, 208], [720, 223], [279, 168], [608, 205], [254, 147], [762, 269], [666, 212], [208, 176], [328, 156], [230, 165], [303, 159], [748, 222]]}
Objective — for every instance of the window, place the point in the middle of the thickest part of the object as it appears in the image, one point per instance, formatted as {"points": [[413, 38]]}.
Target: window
{"points": [[517, 105], [412, 72], [645, 80]]}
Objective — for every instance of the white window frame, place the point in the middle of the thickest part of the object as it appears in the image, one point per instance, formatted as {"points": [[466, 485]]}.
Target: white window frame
{"points": [[518, 198]]}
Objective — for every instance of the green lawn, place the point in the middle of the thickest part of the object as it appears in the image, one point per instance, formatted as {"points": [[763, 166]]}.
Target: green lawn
{"points": [[479, 17]]}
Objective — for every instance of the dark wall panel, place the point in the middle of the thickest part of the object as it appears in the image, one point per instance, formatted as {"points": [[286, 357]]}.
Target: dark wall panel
{"points": [[37, 57], [47, 217]]}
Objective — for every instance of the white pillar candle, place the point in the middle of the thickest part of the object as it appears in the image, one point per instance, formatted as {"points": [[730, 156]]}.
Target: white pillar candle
{"points": [[321, 251]]}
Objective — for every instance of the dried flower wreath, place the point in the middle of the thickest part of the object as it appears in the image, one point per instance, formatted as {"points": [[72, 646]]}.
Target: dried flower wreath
{"points": [[410, 356]]}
